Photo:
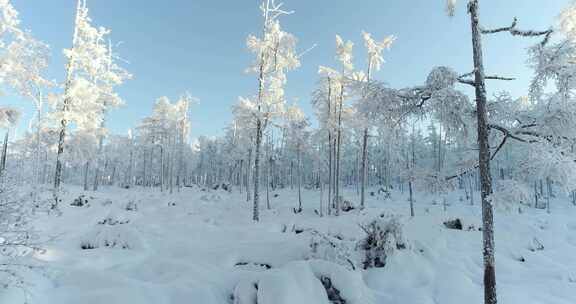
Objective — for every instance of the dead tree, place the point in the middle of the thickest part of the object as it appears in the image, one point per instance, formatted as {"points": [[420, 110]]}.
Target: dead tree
{"points": [[484, 155]]}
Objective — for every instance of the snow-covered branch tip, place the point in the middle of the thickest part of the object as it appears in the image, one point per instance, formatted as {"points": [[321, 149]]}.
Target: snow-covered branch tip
{"points": [[307, 50], [512, 29], [464, 78], [271, 11], [451, 7]]}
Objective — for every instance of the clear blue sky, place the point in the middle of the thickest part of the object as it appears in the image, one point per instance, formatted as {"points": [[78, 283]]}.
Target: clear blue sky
{"points": [[199, 46]]}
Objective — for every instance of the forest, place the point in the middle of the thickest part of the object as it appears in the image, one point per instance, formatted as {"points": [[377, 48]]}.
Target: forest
{"points": [[437, 192]]}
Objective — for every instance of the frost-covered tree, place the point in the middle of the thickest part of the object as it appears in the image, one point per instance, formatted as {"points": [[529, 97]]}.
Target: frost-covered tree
{"points": [[165, 131], [275, 53], [297, 136], [91, 75], [22, 61], [374, 49], [107, 78], [8, 118]]}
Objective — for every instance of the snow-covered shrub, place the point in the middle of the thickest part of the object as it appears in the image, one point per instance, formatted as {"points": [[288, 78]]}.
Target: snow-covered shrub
{"points": [[510, 194], [131, 206], [211, 197], [313, 281], [346, 206], [113, 219], [455, 224], [332, 248], [383, 237], [223, 187], [535, 245], [384, 194], [80, 201], [111, 236]]}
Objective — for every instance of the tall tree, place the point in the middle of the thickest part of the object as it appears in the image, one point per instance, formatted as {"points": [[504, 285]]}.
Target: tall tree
{"points": [[484, 156], [275, 54]]}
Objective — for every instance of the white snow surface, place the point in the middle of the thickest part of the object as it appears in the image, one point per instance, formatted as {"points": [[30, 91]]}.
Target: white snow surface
{"points": [[187, 248]]}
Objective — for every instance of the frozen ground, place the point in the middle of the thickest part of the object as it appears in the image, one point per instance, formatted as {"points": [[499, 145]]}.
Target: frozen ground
{"points": [[199, 247]]}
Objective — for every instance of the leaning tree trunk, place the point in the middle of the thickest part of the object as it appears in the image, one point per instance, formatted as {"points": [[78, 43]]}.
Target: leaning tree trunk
{"points": [[483, 159]]}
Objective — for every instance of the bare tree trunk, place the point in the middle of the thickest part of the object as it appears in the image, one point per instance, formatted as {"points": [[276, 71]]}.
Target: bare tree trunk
{"points": [[363, 170], [329, 173], [98, 161], [86, 167], [299, 172], [4, 153], [255, 208], [338, 144], [161, 168], [483, 158], [130, 165], [248, 169]]}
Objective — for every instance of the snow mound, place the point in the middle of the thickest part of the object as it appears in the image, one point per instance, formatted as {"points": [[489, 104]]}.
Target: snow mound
{"points": [[302, 282]]}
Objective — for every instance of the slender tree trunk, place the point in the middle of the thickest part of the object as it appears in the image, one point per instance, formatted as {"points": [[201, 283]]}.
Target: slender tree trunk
{"points": [[130, 165], [363, 173], [329, 172], [483, 159], [248, 169], [4, 153], [338, 145], [98, 162], [299, 180], [161, 168], [255, 207], [86, 167]]}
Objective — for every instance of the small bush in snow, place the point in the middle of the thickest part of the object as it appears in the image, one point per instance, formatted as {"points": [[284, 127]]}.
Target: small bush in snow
{"points": [[384, 194], [346, 206], [332, 248], [80, 201], [112, 220], [535, 245], [131, 206], [112, 237], [454, 224], [383, 236], [211, 197]]}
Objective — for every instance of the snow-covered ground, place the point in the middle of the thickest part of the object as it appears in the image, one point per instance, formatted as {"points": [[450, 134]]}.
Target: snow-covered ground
{"points": [[202, 247]]}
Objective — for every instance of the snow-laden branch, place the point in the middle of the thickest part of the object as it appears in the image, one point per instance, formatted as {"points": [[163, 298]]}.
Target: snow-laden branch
{"points": [[514, 31]]}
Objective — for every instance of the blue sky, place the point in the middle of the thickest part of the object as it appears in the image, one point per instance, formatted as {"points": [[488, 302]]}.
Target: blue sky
{"points": [[174, 46]]}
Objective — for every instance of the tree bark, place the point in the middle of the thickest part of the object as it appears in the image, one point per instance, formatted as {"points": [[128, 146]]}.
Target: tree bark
{"points": [[483, 158], [255, 207], [363, 169], [4, 153]]}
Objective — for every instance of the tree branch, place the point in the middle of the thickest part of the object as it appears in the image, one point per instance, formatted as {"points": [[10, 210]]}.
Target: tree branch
{"points": [[523, 33]]}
